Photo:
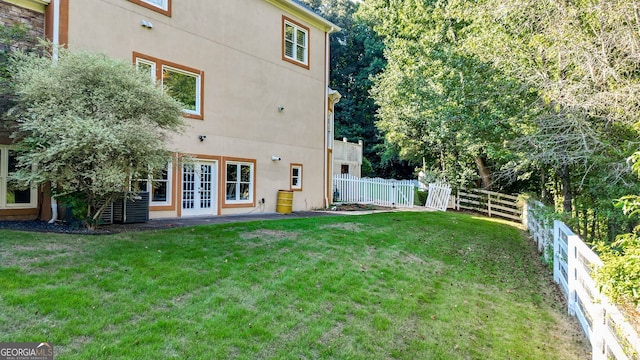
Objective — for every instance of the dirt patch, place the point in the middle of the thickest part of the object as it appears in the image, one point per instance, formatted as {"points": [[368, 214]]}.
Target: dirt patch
{"points": [[333, 333], [49, 247], [568, 331], [359, 207], [25, 257], [268, 234], [73, 346], [345, 226], [266, 238], [632, 315], [413, 259]]}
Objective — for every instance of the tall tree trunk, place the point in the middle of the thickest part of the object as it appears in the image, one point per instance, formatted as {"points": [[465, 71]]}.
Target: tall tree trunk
{"points": [[543, 182], [565, 178], [594, 223], [485, 173], [585, 226]]}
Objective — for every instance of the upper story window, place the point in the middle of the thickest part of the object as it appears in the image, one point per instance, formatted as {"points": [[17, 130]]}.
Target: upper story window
{"points": [[183, 86], [161, 6], [295, 42], [182, 83]]}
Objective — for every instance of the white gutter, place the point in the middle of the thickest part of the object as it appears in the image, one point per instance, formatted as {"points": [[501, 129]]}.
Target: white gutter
{"points": [[54, 57]]}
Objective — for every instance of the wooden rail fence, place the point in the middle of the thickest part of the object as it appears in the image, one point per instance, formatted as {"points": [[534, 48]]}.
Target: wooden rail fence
{"points": [[489, 202]]}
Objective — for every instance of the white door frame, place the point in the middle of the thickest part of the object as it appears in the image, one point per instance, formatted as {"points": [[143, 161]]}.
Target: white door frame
{"points": [[199, 189]]}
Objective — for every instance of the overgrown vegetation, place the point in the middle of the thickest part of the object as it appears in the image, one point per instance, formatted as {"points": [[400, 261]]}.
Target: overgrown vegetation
{"points": [[394, 285]]}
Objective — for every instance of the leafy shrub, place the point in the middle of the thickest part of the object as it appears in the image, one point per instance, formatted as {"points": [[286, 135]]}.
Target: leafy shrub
{"points": [[367, 169], [619, 277], [420, 198]]}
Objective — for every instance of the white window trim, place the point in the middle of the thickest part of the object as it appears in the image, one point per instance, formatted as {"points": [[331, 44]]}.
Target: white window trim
{"points": [[4, 176], [296, 28], [159, 64], [152, 74], [300, 174], [197, 111], [237, 183], [164, 6], [169, 182]]}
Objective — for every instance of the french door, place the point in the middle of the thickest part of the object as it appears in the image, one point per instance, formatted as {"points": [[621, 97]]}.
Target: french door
{"points": [[199, 188]]}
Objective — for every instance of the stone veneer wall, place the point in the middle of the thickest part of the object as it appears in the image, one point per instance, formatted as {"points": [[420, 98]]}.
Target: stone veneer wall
{"points": [[11, 14]]}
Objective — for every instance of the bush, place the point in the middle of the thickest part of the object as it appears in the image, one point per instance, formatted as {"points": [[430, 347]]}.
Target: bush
{"points": [[91, 123], [420, 198], [367, 169], [619, 276]]}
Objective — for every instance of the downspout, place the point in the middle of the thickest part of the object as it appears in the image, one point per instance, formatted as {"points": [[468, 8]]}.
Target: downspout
{"points": [[326, 116], [54, 57], [56, 30]]}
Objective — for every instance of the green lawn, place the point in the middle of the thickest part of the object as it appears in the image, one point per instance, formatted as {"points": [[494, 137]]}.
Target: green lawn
{"points": [[396, 285]]}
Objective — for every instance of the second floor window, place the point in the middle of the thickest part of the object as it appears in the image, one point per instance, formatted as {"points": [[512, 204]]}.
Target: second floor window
{"points": [[295, 42], [161, 6], [182, 83]]}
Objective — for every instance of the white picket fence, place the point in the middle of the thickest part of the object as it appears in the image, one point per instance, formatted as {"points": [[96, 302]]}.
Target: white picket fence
{"points": [[375, 191], [489, 202], [610, 335], [438, 196]]}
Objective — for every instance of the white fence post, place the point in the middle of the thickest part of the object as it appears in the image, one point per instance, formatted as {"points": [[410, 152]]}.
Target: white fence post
{"points": [[560, 256], [525, 216]]}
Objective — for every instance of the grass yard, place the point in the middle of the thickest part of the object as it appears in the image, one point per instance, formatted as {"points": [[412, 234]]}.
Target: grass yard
{"points": [[394, 285]]}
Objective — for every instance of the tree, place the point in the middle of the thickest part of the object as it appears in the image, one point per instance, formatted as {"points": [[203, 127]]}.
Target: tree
{"points": [[437, 101], [89, 124], [619, 276], [357, 56], [581, 58]]}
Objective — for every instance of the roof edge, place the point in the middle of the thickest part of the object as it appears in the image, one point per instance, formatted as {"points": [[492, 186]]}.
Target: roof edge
{"points": [[36, 5], [306, 14]]}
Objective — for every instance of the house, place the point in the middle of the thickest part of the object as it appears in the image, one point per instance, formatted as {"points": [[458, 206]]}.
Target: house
{"points": [[256, 102], [347, 158]]}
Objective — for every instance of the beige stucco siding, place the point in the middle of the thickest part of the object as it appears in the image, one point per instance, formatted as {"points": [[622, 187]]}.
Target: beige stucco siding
{"points": [[238, 45]]}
